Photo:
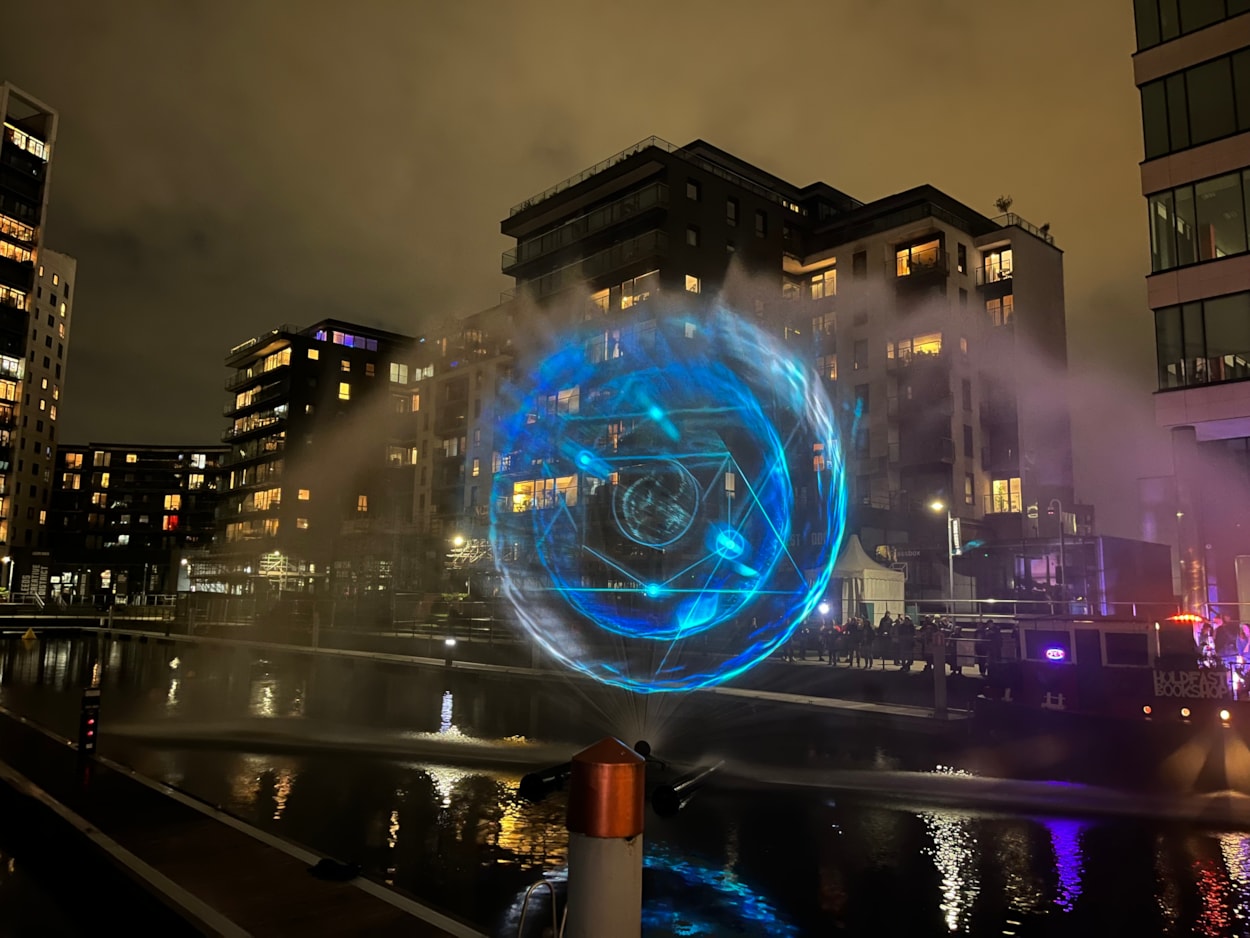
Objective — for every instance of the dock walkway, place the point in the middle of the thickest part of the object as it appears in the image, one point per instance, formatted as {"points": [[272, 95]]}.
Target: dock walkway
{"points": [[216, 872]]}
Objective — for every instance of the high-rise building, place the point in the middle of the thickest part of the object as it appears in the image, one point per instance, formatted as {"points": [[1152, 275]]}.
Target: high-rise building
{"points": [[938, 329], [130, 518], [35, 300], [1193, 70], [319, 481]]}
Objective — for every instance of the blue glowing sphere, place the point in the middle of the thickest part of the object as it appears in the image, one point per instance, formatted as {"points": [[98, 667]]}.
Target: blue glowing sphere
{"points": [[669, 501]]}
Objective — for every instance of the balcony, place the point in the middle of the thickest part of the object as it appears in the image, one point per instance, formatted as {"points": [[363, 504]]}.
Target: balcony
{"points": [[258, 425], [1012, 220], [990, 274], [1001, 504], [906, 357], [650, 244], [267, 396], [941, 451], [623, 209], [921, 266], [247, 376]]}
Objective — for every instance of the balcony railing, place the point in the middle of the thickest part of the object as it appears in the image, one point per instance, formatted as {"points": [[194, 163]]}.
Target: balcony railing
{"points": [[1002, 504], [645, 245], [993, 273], [942, 452], [248, 375], [285, 329], [632, 205], [259, 426], [664, 145], [905, 358], [926, 263]]}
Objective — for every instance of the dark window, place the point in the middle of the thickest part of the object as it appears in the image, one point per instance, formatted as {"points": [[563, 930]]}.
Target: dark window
{"points": [[1154, 110], [969, 452], [1147, 15], [961, 258], [66, 285], [861, 439], [1203, 342], [692, 190], [1209, 94], [859, 265], [730, 247], [51, 321], [761, 224], [963, 297], [861, 400], [1241, 87], [1178, 117], [731, 212], [1203, 222], [860, 354], [965, 388], [1196, 14], [1127, 648], [47, 341], [692, 237]]}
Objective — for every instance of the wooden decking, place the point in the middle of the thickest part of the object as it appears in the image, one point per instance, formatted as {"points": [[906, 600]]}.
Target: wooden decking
{"points": [[219, 874]]}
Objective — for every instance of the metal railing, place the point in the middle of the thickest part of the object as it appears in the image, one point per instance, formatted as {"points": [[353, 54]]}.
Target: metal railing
{"points": [[993, 273], [653, 141], [284, 329], [1012, 220]]}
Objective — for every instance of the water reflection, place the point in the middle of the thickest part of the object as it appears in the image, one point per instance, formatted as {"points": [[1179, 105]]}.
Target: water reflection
{"points": [[1065, 841], [956, 855], [444, 714], [1023, 888], [1235, 849]]}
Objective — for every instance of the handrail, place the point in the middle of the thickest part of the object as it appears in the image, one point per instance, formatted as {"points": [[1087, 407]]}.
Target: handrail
{"points": [[659, 144], [556, 929]]}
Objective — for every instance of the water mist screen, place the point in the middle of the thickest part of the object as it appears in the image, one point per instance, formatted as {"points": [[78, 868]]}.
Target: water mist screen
{"points": [[669, 500]]}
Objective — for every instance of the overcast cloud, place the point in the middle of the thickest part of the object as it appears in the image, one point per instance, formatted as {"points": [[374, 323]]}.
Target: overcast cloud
{"points": [[227, 166]]}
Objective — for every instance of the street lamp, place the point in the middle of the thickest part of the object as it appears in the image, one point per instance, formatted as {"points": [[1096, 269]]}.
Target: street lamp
{"points": [[950, 549], [1063, 573], [8, 579]]}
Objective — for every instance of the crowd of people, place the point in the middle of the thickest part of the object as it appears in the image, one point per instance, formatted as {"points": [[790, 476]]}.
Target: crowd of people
{"points": [[899, 640]]}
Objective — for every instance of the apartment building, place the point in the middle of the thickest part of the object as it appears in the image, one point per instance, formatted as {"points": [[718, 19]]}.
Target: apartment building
{"points": [[1192, 68], [940, 331], [318, 485], [130, 518], [36, 298]]}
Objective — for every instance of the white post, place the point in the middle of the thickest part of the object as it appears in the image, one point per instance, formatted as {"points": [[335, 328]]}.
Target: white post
{"points": [[606, 796]]}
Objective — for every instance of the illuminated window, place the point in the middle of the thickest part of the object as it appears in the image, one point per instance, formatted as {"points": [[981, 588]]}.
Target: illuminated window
{"points": [[917, 258], [199, 460], [824, 284], [827, 367], [399, 374], [170, 523], [906, 350], [362, 503], [369, 369], [56, 279], [99, 499], [132, 458], [43, 403], [970, 488], [996, 265], [538, 494], [104, 480], [303, 495], [345, 365], [301, 524], [818, 457], [173, 502], [73, 460], [731, 485], [314, 354], [963, 344], [1001, 310], [477, 467], [1005, 495], [345, 391], [43, 385], [195, 480], [41, 271], [56, 393], [693, 284], [601, 300], [416, 403], [62, 313]]}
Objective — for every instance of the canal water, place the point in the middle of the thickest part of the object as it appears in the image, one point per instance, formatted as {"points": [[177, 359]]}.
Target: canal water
{"points": [[821, 826]]}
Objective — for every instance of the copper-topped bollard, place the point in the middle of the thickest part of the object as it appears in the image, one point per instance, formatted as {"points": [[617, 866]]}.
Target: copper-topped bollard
{"points": [[606, 802]]}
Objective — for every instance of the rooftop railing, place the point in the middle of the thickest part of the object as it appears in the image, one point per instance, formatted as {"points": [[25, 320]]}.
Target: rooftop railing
{"points": [[667, 147], [1012, 220]]}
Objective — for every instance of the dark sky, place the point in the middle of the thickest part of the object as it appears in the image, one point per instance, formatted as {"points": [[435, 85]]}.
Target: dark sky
{"points": [[227, 166]]}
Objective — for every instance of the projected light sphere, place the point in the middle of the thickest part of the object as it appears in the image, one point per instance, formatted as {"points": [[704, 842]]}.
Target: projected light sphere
{"points": [[669, 500]]}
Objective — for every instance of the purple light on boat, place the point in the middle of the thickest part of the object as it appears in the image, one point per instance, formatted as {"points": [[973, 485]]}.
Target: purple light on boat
{"points": [[1056, 654]]}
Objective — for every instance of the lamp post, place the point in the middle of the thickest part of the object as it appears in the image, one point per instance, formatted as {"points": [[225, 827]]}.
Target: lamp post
{"points": [[8, 579], [1063, 572], [950, 550]]}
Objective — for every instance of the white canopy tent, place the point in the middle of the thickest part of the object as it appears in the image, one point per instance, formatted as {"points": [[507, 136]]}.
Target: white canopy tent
{"points": [[858, 580]]}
